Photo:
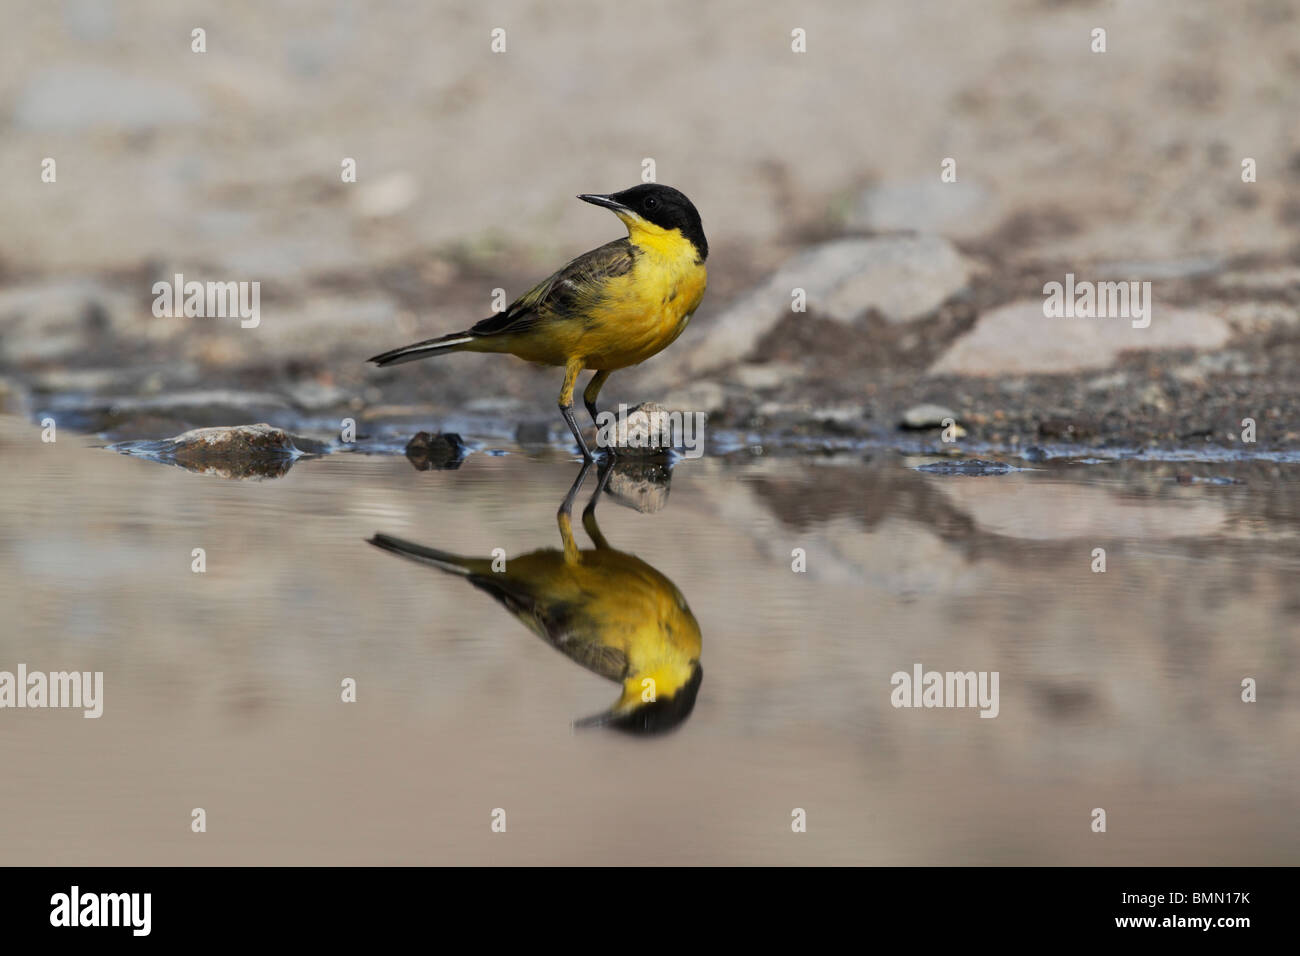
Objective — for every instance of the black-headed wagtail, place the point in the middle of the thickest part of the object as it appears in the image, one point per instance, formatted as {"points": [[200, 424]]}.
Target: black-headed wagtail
{"points": [[610, 308]]}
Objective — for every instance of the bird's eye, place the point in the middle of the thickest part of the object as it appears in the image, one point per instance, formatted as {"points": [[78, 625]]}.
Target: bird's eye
{"points": [[650, 202]]}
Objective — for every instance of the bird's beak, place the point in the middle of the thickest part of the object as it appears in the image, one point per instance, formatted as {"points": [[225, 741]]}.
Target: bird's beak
{"points": [[595, 720], [609, 202]]}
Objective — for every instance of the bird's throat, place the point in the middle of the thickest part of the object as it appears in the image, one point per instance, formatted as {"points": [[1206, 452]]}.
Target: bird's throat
{"points": [[668, 244]]}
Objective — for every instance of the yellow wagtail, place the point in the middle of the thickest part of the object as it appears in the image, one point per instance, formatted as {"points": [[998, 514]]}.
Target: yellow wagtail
{"points": [[610, 308]]}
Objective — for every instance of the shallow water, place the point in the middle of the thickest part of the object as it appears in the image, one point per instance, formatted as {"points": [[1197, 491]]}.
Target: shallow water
{"points": [[1119, 690]]}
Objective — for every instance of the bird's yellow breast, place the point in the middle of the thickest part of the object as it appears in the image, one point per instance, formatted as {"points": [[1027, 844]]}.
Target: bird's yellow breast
{"points": [[643, 311]]}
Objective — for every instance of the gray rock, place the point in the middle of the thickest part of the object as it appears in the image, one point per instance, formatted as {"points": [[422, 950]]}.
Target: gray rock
{"points": [[73, 97], [1017, 338], [646, 429], [902, 277], [927, 206], [927, 416]]}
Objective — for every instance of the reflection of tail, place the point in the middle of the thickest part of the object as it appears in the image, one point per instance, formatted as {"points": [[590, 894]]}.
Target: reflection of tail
{"points": [[425, 349], [515, 595], [442, 560]]}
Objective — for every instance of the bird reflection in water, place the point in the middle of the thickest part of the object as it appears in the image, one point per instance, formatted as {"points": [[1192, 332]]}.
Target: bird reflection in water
{"points": [[605, 609]]}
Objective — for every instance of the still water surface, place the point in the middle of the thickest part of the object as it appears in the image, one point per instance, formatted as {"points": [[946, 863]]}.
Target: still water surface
{"points": [[1119, 690]]}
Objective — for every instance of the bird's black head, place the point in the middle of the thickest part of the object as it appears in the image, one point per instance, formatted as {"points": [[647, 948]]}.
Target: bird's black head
{"points": [[658, 716], [662, 206]]}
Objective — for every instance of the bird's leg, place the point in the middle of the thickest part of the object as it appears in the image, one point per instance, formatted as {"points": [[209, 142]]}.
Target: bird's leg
{"points": [[589, 395], [589, 512], [571, 370], [564, 519]]}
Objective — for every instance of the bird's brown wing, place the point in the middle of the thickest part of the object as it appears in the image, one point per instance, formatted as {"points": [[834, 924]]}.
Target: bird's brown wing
{"points": [[566, 293], [563, 625]]}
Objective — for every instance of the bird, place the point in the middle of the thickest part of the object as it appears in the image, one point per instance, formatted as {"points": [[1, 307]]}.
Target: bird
{"points": [[608, 309], [605, 609]]}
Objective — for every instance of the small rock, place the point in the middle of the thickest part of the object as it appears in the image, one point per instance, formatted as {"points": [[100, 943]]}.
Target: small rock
{"points": [[649, 429], [972, 467], [926, 416], [239, 441], [236, 441], [1034, 453], [442, 452], [236, 451]]}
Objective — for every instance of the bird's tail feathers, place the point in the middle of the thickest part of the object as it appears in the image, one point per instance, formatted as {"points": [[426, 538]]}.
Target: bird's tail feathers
{"points": [[426, 349], [442, 560]]}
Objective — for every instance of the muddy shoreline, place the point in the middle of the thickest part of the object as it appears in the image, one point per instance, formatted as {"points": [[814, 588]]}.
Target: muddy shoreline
{"points": [[808, 379]]}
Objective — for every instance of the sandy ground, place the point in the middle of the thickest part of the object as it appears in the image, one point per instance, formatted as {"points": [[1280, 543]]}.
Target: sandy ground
{"points": [[225, 166]]}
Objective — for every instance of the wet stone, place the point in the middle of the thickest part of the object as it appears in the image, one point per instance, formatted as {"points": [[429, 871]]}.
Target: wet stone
{"points": [[236, 451], [971, 467], [647, 429], [441, 452]]}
